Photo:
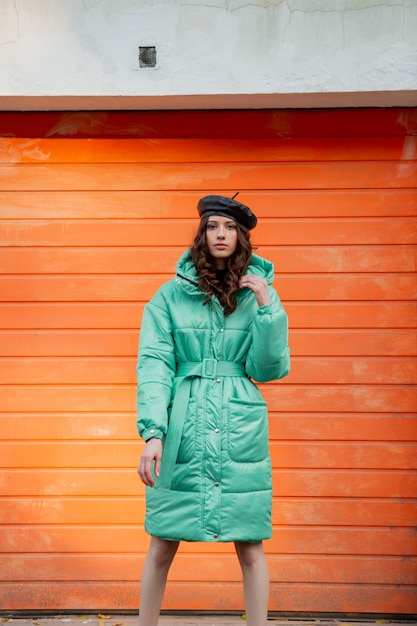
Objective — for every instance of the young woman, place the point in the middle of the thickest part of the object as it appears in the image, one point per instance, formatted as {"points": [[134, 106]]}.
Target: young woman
{"points": [[205, 335]]}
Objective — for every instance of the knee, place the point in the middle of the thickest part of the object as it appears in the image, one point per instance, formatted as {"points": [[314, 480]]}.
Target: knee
{"points": [[162, 552], [250, 554]]}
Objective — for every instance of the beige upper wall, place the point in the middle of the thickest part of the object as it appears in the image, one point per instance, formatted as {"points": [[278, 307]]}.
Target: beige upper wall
{"points": [[72, 54]]}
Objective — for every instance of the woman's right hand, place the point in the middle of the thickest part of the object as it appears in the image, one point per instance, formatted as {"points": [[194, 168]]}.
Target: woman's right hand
{"points": [[152, 452]]}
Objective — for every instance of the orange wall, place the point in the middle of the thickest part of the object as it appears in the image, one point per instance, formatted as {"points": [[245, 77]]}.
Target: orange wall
{"points": [[89, 229]]}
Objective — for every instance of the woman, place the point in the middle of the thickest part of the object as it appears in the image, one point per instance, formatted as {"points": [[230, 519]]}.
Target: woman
{"points": [[206, 466]]}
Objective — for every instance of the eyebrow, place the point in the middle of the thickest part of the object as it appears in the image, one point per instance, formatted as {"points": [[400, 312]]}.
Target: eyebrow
{"points": [[211, 221]]}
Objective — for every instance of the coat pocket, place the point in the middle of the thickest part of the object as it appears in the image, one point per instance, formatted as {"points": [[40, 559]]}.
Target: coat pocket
{"points": [[187, 443], [248, 431]]}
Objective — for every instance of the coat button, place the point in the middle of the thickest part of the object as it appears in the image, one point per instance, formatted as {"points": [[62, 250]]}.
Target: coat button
{"points": [[215, 535], [217, 430], [216, 484], [152, 431], [218, 380], [221, 330]]}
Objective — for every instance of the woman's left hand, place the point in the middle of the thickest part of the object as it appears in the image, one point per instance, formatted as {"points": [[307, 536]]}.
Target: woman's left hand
{"points": [[259, 287]]}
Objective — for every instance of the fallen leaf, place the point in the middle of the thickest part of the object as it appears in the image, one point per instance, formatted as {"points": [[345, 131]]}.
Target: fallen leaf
{"points": [[5, 619], [104, 616]]}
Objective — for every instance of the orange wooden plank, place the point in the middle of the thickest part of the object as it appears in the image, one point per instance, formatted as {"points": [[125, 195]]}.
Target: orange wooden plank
{"points": [[57, 343], [37, 151], [69, 426], [340, 427], [71, 343], [298, 398], [69, 315], [103, 539], [173, 203], [121, 370], [69, 371], [91, 510], [348, 315], [127, 315], [178, 233], [187, 568], [282, 426], [353, 342], [340, 512], [299, 597], [149, 260], [341, 398], [344, 484], [115, 288], [287, 483], [122, 454], [92, 483], [205, 176], [306, 512]]}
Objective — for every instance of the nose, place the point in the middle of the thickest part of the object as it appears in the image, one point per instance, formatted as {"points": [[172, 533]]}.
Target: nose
{"points": [[221, 233]]}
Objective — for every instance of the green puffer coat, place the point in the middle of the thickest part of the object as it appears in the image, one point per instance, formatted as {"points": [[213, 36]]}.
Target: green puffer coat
{"points": [[196, 394]]}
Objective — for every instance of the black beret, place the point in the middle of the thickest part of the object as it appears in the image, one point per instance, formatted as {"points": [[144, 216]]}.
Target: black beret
{"points": [[228, 207]]}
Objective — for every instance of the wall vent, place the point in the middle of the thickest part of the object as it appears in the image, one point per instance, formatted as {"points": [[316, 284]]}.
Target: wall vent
{"points": [[147, 56]]}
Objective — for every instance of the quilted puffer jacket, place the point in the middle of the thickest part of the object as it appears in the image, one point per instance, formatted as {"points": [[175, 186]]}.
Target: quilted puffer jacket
{"points": [[196, 393]]}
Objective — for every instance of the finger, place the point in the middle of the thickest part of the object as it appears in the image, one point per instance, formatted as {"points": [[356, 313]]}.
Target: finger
{"points": [[148, 473], [157, 465], [145, 472]]}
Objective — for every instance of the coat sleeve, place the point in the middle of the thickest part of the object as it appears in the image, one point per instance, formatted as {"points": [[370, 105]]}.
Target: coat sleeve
{"points": [[269, 355], [155, 370]]}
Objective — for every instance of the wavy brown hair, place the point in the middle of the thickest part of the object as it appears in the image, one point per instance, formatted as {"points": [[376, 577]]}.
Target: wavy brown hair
{"points": [[236, 266]]}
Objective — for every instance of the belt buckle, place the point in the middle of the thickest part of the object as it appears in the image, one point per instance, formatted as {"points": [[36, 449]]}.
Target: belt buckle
{"points": [[209, 368]]}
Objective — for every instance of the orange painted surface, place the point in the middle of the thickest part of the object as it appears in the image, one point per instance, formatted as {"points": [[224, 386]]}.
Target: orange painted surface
{"points": [[89, 228]]}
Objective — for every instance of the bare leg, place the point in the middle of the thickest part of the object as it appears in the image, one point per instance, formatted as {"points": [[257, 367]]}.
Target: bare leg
{"points": [[154, 576], [255, 581]]}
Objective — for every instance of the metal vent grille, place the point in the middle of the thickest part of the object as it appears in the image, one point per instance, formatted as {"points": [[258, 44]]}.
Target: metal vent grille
{"points": [[147, 56]]}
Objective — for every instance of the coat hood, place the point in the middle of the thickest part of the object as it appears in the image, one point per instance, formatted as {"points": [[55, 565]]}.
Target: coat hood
{"points": [[258, 265]]}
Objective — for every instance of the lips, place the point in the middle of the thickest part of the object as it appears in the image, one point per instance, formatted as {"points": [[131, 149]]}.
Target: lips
{"points": [[220, 246]]}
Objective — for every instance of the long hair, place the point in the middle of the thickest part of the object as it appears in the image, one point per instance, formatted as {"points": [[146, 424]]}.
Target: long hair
{"points": [[236, 266]]}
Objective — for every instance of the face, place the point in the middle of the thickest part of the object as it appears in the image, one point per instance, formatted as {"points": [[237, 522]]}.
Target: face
{"points": [[221, 237]]}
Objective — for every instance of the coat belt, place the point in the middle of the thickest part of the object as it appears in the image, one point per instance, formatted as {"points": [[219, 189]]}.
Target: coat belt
{"points": [[207, 368]]}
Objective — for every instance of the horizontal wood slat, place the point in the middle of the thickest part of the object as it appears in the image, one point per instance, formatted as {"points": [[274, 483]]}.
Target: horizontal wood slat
{"points": [[284, 568], [282, 426], [127, 315], [132, 288], [304, 597], [288, 260], [89, 230], [387, 231], [286, 483], [36, 151], [165, 204], [347, 513], [284, 455], [326, 398], [90, 540], [334, 342], [122, 370], [200, 177]]}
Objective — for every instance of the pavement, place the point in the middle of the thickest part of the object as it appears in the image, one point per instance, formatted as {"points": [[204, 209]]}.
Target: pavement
{"points": [[192, 620]]}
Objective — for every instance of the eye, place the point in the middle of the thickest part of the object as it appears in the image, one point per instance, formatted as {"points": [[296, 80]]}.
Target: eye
{"points": [[211, 226], [231, 226]]}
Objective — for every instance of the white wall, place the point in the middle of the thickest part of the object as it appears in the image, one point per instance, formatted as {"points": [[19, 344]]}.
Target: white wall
{"points": [[210, 53]]}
